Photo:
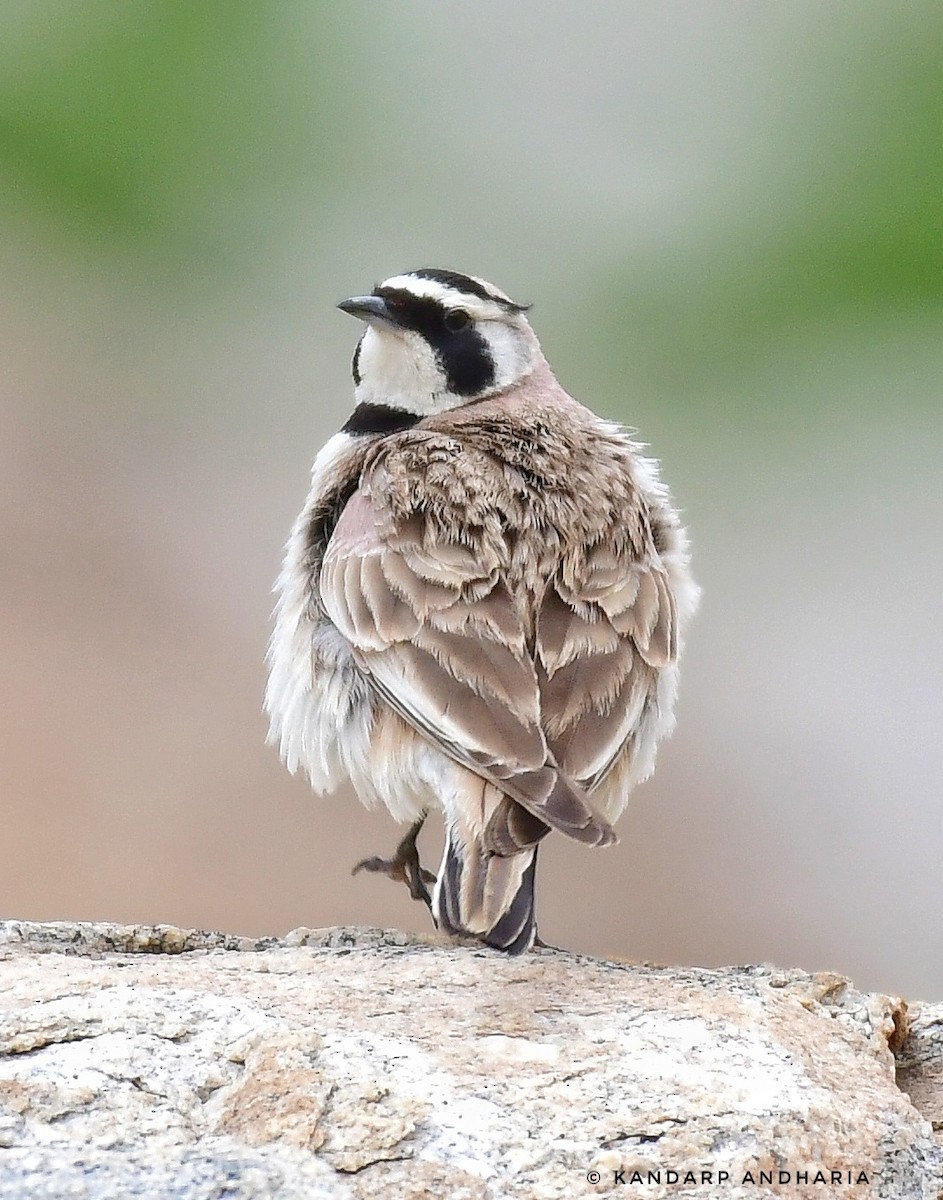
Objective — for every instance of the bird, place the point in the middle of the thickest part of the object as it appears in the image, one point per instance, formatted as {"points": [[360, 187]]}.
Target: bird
{"points": [[481, 606]]}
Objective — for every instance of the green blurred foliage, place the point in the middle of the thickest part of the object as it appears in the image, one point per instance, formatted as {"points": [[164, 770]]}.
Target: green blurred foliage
{"points": [[852, 236], [155, 126]]}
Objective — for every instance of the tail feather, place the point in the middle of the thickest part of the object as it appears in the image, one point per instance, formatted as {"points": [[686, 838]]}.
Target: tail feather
{"points": [[516, 930], [487, 895], [512, 828], [558, 801], [445, 900]]}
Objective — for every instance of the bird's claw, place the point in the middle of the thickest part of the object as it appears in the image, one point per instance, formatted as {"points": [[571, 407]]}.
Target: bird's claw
{"points": [[403, 867]]}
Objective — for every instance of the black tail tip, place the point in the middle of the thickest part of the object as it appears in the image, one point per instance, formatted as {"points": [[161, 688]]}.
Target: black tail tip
{"points": [[520, 944], [515, 932]]}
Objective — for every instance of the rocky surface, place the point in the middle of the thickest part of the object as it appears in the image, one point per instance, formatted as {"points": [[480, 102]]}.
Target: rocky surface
{"points": [[163, 1063]]}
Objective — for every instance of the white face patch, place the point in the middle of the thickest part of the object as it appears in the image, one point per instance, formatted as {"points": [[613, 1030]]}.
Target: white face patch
{"points": [[398, 368], [513, 349]]}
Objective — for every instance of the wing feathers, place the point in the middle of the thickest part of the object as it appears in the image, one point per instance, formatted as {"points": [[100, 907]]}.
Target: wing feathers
{"points": [[486, 666], [445, 563], [361, 619], [438, 631], [590, 745], [591, 683], [395, 620], [494, 616], [420, 594], [483, 724], [601, 636], [564, 634]]}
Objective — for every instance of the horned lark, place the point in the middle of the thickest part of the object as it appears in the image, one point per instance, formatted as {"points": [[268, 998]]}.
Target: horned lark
{"points": [[482, 602]]}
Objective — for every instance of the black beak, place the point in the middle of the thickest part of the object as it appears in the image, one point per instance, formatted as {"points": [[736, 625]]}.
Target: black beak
{"points": [[368, 308]]}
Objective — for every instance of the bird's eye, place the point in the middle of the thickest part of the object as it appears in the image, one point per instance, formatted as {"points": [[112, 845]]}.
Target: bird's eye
{"points": [[456, 319]]}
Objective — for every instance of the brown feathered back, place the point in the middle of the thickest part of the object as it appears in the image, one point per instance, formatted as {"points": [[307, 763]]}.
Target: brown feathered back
{"points": [[503, 574]]}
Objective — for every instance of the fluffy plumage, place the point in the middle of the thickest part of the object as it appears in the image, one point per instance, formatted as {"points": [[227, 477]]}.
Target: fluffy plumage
{"points": [[482, 603]]}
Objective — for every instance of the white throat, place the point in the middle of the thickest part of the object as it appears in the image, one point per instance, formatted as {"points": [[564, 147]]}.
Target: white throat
{"points": [[398, 368]]}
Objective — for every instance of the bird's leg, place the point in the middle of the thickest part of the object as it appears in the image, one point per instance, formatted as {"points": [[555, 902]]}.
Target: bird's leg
{"points": [[404, 866]]}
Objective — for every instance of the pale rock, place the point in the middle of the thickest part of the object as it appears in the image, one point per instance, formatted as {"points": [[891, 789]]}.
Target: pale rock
{"points": [[176, 1065]]}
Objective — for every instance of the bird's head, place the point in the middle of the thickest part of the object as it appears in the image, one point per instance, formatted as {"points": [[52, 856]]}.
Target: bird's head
{"points": [[436, 340]]}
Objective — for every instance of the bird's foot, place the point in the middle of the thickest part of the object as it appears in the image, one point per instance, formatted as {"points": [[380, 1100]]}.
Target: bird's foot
{"points": [[404, 866]]}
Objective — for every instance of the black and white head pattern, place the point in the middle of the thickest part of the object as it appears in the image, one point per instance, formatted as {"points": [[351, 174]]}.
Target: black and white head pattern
{"points": [[435, 340]]}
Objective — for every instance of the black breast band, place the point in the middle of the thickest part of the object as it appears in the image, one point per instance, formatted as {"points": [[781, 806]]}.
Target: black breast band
{"points": [[379, 418]]}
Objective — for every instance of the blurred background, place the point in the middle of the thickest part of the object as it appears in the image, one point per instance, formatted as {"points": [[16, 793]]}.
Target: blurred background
{"points": [[730, 219]]}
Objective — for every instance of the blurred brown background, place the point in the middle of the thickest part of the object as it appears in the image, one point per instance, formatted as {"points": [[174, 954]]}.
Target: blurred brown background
{"points": [[730, 217]]}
